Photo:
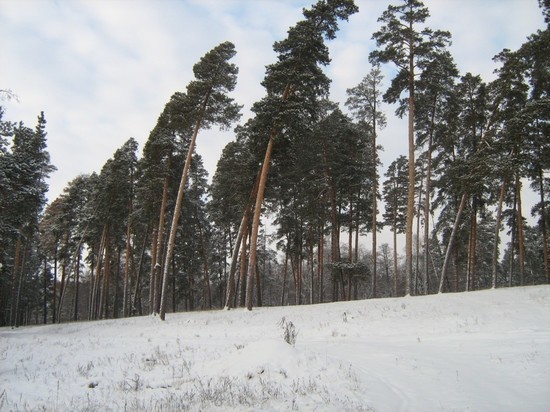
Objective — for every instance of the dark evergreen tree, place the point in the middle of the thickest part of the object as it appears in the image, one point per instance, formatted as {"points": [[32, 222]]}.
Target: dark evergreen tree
{"points": [[394, 194], [25, 168], [364, 100]]}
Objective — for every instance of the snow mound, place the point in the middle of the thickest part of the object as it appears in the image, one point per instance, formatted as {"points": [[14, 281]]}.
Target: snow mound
{"points": [[485, 351]]}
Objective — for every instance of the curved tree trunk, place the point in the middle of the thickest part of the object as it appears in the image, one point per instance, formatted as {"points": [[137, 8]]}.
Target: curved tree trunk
{"points": [[243, 232], [256, 222], [176, 217]]}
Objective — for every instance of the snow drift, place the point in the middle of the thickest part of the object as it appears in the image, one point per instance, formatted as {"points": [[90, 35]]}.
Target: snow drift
{"points": [[477, 351]]}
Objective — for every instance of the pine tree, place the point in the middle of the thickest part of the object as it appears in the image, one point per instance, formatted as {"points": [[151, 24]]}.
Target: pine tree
{"points": [[294, 85], [28, 166], [364, 100], [395, 193], [410, 49], [205, 104]]}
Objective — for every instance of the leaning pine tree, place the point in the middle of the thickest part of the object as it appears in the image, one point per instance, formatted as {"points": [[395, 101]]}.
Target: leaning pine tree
{"points": [[205, 104], [294, 85]]}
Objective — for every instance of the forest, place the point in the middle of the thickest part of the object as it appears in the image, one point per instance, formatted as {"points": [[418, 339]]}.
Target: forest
{"points": [[285, 217]]}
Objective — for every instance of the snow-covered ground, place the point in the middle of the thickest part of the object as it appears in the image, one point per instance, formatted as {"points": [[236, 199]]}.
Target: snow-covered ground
{"points": [[477, 351]]}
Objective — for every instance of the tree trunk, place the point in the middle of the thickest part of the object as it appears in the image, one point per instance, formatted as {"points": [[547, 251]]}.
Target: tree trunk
{"points": [[45, 292], [256, 221], [521, 243], [62, 288], [127, 286], [285, 275], [243, 233], [374, 201], [152, 283], [512, 241], [243, 267], [176, 216], [54, 298], [543, 227], [497, 231], [472, 251], [207, 291], [258, 209], [104, 301], [136, 301], [451, 241], [425, 278], [158, 266], [417, 257], [410, 200], [395, 270], [15, 275], [116, 304], [77, 284], [321, 264]]}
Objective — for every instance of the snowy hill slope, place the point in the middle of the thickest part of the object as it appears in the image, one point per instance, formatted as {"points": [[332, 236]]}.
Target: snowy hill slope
{"points": [[477, 351]]}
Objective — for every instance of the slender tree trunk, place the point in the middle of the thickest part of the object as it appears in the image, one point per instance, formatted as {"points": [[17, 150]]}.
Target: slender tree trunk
{"points": [[104, 301], [321, 265], [177, 213], [543, 226], [285, 275], [427, 212], [243, 266], [127, 286], [62, 287], [91, 287], [77, 284], [207, 291], [243, 232], [158, 266], [417, 246], [450, 246], [116, 303], [173, 286], [15, 282], [230, 298], [374, 201], [395, 269], [54, 298], [19, 286], [152, 283], [136, 301], [311, 266], [45, 292], [513, 241], [521, 243], [94, 307], [497, 231], [410, 200], [472, 254]]}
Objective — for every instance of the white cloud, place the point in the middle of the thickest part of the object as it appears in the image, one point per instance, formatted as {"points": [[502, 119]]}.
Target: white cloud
{"points": [[103, 70]]}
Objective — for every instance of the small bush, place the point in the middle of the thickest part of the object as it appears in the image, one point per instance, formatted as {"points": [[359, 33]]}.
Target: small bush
{"points": [[289, 331]]}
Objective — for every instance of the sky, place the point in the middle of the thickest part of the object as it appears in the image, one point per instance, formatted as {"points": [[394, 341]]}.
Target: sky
{"points": [[102, 70]]}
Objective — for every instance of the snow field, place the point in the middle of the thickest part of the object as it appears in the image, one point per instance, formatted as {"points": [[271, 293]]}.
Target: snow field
{"points": [[476, 351]]}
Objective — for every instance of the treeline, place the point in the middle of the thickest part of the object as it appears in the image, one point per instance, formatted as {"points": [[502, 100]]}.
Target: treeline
{"points": [[297, 189]]}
